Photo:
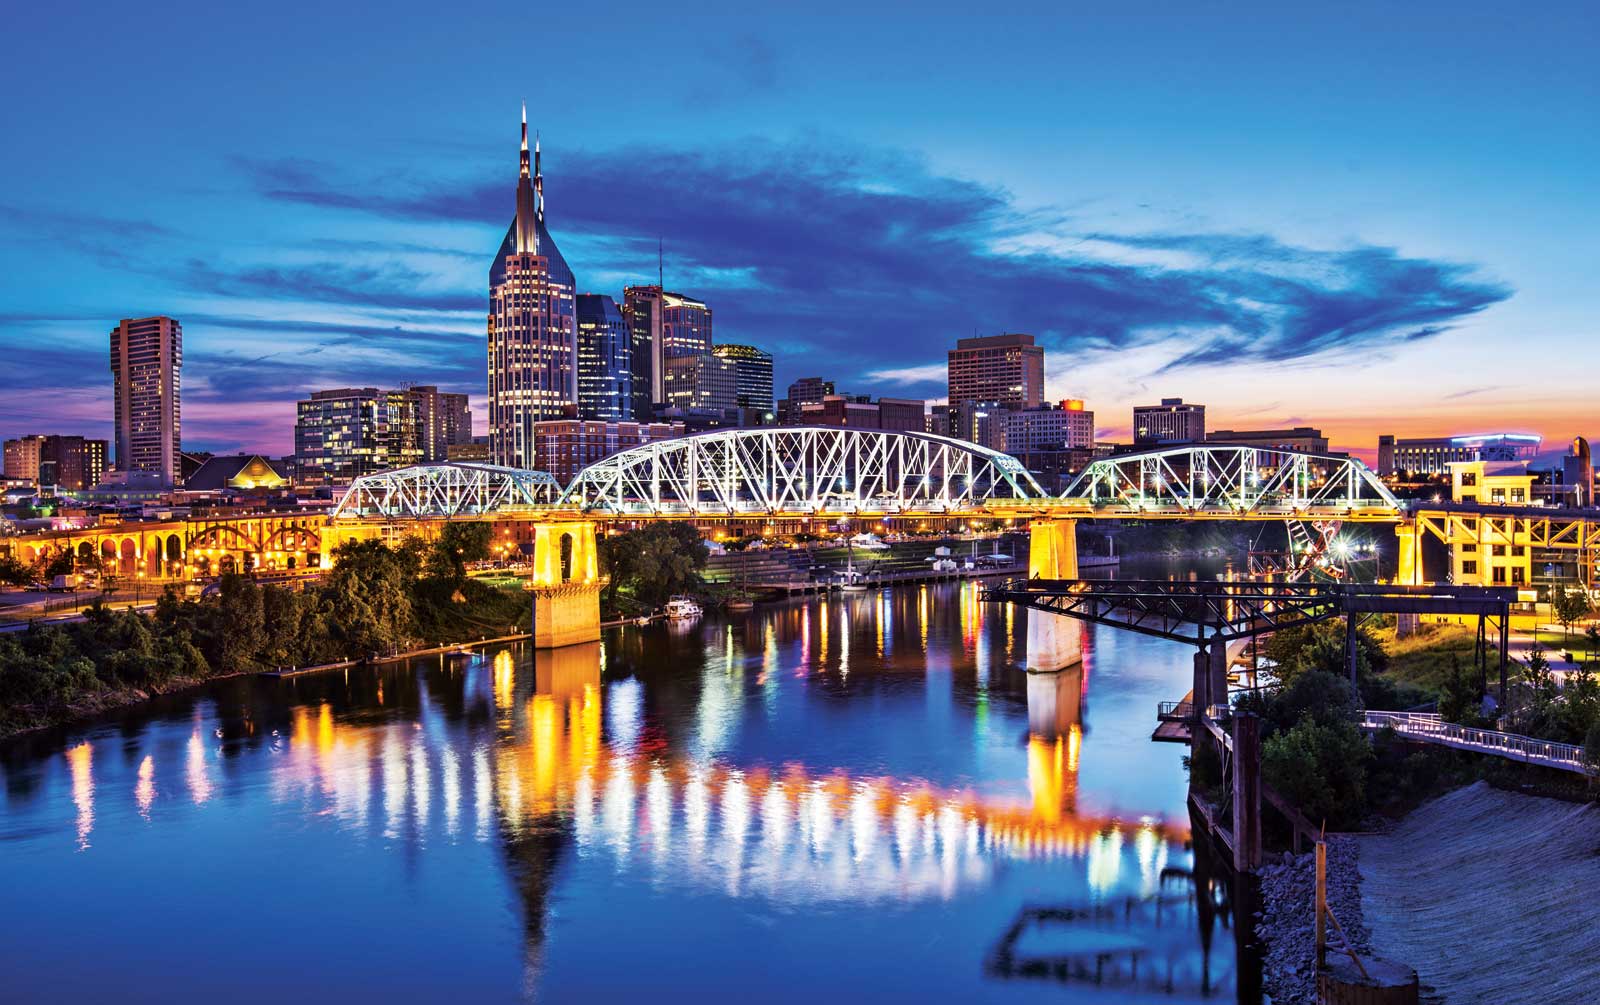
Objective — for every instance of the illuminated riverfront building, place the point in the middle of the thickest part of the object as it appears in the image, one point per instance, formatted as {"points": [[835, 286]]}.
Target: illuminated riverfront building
{"points": [[1172, 421], [605, 360], [146, 363], [1433, 455], [754, 372], [344, 433], [533, 349]]}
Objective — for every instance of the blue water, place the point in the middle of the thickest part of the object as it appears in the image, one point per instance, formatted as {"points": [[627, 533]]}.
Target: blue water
{"points": [[833, 797]]}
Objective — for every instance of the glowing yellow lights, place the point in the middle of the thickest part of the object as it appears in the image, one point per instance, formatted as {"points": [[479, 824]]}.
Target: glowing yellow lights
{"points": [[80, 762]]}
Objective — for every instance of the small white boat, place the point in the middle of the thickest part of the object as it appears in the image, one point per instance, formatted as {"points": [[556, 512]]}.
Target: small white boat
{"points": [[682, 609]]}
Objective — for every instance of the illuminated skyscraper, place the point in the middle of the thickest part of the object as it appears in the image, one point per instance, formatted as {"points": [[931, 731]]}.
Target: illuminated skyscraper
{"points": [[665, 325], [605, 374], [533, 347], [754, 368], [146, 361]]}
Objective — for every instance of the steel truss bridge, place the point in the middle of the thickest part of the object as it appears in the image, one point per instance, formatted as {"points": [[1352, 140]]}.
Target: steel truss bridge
{"points": [[802, 469], [447, 490], [811, 471]]}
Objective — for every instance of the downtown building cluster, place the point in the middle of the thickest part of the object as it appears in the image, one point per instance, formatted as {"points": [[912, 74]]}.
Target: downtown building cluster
{"points": [[574, 377]]}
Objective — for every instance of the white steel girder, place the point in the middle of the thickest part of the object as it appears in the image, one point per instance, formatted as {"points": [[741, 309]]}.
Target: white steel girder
{"points": [[446, 490], [799, 469]]}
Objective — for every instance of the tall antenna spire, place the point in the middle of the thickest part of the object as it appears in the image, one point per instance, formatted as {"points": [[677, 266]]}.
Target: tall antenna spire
{"points": [[538, 176], [524, 139], [661, 266]]}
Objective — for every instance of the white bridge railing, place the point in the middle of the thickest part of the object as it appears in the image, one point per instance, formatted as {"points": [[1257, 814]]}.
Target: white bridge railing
{"points": [[1430, 728]]}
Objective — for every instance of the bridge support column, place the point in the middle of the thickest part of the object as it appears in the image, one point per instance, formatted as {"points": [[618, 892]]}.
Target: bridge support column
{"points": [[1053, 549], [1246, 793], [1217, 665], [1055, 642], [566, 585]]}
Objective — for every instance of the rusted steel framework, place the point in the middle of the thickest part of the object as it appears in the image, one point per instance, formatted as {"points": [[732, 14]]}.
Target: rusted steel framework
{"points": [[1239, 481], [801, 470], [1201, 611], [446, 490]]}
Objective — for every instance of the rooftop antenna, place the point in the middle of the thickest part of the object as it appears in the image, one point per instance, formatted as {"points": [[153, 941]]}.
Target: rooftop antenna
{"points": [[661, 267]]}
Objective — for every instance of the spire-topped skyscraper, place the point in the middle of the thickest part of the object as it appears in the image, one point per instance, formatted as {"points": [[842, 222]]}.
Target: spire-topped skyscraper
{"points": [[533, 349]]}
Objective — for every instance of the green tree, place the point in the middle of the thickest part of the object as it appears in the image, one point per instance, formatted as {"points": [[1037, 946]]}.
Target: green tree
{"points": [[238, 625], [369, 597], [457, 545], [58, 563], [14, 572], [654, 562], [1569, 607], [1459, 700], [1591, 749], [1321, 768]]}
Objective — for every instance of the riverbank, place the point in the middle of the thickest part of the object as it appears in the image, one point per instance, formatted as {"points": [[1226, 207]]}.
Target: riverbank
{"points": [[1489, 894], [1288, 918]]}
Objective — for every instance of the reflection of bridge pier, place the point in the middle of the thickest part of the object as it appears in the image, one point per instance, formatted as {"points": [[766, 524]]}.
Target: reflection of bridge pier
{"points": [[1055, 702]]}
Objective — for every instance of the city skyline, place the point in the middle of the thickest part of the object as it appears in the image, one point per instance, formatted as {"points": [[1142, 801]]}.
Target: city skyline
{"points": [[1283, 280]]}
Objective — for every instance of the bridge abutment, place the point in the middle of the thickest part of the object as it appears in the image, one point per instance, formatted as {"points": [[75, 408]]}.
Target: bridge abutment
{"points": [[565, 585]]}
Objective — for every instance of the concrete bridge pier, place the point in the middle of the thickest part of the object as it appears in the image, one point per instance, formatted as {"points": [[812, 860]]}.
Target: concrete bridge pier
{"points": [[1055, 642], [565, 585]]}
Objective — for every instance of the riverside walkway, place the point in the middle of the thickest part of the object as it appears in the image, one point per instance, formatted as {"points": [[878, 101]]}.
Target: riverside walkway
{"points": [[1429, 728]]}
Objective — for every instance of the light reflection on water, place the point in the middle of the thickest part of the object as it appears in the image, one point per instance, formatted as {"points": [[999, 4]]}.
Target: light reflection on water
{"points": [[845, 762]]}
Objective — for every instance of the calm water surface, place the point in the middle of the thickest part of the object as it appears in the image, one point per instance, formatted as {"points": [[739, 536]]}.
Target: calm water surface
{"points": [[855, 797]]}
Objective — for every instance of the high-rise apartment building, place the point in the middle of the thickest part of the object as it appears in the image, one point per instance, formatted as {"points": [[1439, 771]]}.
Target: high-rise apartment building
{"points": [[605, 360], [443, 420], [754, 373], [1173, 421], [72, 463], [702, 382], [1006, 369], [146, 364], [533, 348], [344, 433]]}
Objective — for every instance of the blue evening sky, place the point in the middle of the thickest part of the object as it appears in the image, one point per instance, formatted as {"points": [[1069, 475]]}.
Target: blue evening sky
{"points": [[1368, 217]]}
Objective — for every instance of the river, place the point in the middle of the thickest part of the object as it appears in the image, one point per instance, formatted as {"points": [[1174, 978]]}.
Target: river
{"points": [[838, 796]]}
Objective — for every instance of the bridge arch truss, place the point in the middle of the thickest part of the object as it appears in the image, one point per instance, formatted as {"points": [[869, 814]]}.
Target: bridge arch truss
{"points": [[446, 490], [1242, 481], [801, 470]]}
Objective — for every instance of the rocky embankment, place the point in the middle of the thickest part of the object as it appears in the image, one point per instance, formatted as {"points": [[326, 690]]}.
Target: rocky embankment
{"points": [[1288, 919]]}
